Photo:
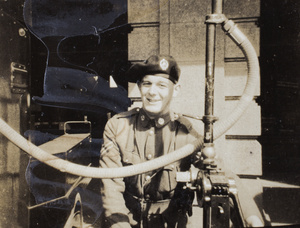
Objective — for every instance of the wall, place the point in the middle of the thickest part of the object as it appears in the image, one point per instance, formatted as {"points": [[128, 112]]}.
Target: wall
{"points": [[14, 58]]}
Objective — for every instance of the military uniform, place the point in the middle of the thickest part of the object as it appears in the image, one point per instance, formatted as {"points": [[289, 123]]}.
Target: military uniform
{"points": [[153, 199]]}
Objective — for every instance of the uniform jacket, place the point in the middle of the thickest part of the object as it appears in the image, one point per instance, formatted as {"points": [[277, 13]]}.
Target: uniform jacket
{"points": [[124, 144]]}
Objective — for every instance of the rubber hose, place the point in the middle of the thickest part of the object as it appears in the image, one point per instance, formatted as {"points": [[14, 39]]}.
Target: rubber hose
{"points": [[95, 172], [253, 77]]}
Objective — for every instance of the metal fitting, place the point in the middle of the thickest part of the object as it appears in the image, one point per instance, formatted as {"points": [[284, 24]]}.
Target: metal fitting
{"points": [[208, 153], [215, 18], [209, 119]]}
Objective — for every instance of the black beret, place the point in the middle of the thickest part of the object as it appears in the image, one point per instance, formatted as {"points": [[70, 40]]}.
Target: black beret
{"points": [[155, 64]]}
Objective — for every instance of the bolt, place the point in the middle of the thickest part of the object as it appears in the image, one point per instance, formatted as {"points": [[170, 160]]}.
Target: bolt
{"points": [[22, 32], [221, 210], [207, 198]]}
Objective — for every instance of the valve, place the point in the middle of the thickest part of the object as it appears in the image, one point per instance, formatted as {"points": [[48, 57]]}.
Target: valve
{"points": [[212, 191]]}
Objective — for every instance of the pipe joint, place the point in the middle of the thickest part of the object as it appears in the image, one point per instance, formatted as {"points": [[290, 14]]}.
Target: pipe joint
{"points": [[215, 18], [233, 32], [209, 119]]}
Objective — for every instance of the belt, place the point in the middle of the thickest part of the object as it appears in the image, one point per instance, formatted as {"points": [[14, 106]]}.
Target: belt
{"points": [[154, 207], [148, 207], [152, 213]]}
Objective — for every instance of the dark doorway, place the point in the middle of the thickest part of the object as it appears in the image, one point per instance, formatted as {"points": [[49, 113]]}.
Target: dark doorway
{"points": [[280, 82]]}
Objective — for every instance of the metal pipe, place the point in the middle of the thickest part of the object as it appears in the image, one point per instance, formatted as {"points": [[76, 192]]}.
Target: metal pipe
{"points": [[211, 22], [208, 151], [209, 83], [217, 6], [216, 17]]}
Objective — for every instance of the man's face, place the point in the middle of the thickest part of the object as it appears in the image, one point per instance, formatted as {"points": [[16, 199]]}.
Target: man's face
{"points": [[157, 93]]}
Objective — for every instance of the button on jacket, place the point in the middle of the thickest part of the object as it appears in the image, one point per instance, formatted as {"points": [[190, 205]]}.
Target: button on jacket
{"points": [[131, 138]]}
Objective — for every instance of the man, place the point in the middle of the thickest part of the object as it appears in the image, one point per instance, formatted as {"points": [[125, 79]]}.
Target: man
{"points": [[153, 199]]}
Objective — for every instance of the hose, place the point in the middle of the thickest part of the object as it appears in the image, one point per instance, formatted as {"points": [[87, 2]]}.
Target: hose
{"points": [[95, 172], [253, 77]]}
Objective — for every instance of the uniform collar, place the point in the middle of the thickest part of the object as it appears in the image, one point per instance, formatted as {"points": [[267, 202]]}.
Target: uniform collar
{"points": [[158, 121]]}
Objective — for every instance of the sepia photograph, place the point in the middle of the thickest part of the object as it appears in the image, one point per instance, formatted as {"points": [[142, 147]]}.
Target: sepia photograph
{"points": [[149, 113]]}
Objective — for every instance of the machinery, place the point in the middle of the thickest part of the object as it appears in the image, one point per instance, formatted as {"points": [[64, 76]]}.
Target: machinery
{"points": [[215, 191]]}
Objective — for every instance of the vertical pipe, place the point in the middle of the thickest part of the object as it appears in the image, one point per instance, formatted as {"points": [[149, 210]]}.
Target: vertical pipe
{"points": [[217, 8], [209, 85], [209, 118]]}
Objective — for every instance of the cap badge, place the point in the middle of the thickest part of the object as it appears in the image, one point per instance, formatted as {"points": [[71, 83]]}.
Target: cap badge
{"points": [[164, 64]]}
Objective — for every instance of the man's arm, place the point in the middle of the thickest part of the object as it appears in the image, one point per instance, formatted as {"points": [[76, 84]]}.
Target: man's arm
{"points": [[116, 212]]}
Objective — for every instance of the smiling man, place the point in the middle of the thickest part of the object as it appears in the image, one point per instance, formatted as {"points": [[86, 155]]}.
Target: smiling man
{"points": [[152, 199], [157, 93]]}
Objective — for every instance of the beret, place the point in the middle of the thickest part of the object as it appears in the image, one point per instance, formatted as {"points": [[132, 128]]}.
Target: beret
{"points": [[160, 65]]}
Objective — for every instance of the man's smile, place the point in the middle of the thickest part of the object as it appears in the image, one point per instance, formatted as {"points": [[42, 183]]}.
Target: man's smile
{"points": [[157, 93], [153, 101]]}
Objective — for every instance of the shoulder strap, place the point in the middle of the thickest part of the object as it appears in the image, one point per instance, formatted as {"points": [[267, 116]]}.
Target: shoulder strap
{"points": [[185, 132], [128, 113], [188, 125]]}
